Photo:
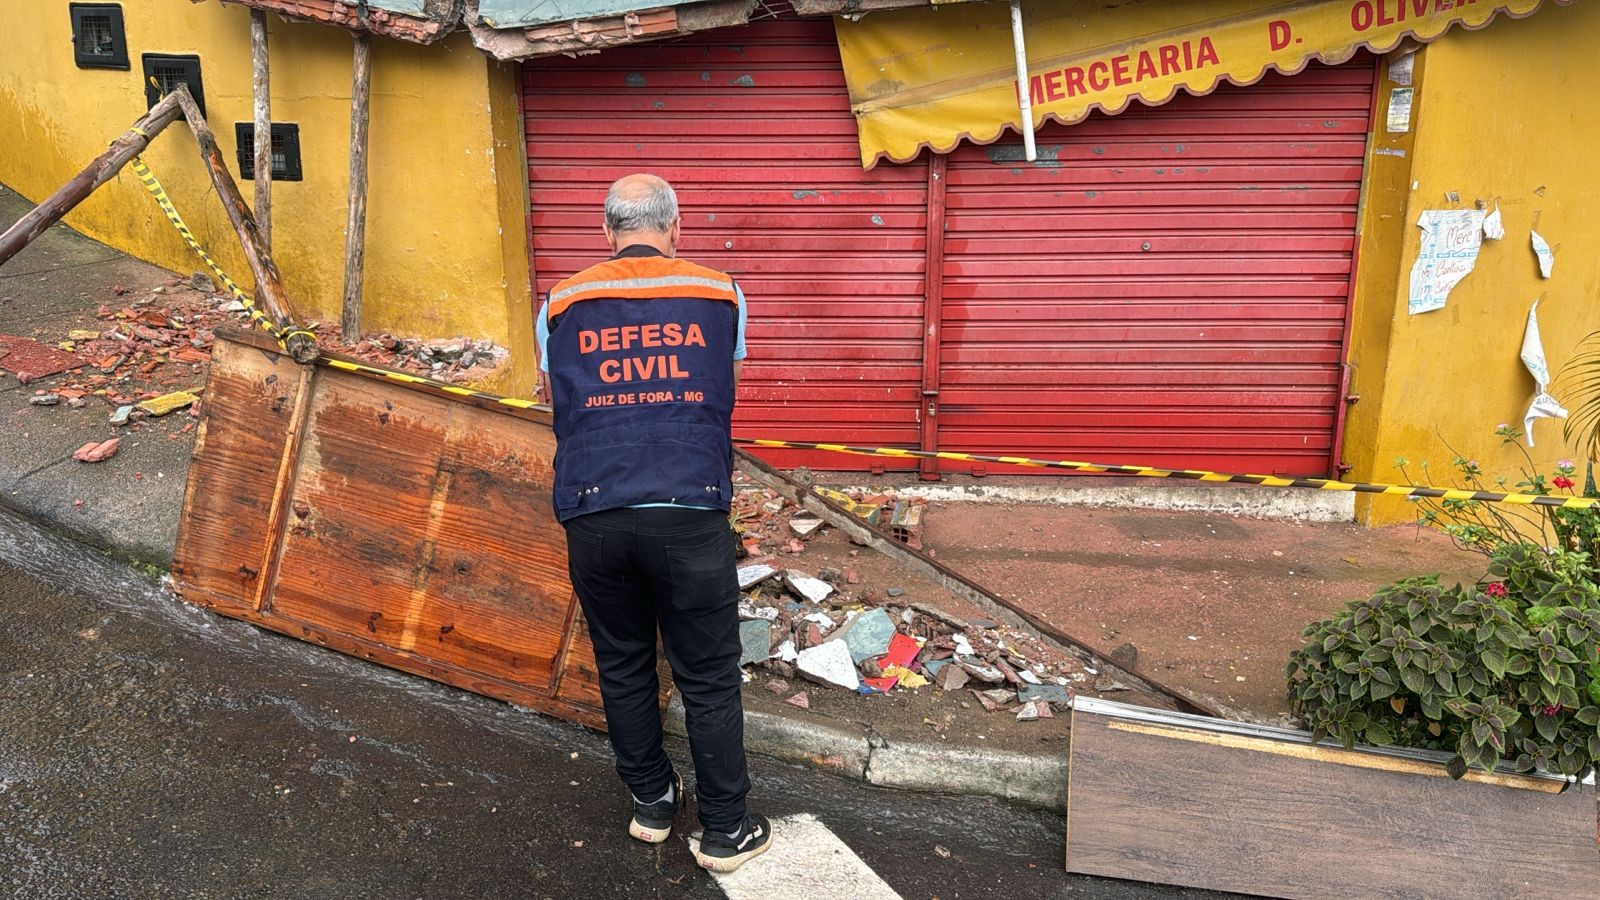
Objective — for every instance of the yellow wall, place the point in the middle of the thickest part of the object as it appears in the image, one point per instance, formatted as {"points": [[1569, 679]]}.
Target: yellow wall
{"points": [[1509, 113], [445, 222]]}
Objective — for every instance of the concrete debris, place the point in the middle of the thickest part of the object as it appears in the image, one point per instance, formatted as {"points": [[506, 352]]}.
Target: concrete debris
{"points": [[755, 637], [838, 630], [980, 671], [754, 574], [1105, 684], [166, 403], [778, 686], [830, 663], [952, 678], [822, 621], [1028, 712], [799, 701], [1126, 655], [905, 522], [93, 452], [805, 527], [812, 590], [120, 417], [869, 637], [45, 400], [1049, 693], [202, 282]]}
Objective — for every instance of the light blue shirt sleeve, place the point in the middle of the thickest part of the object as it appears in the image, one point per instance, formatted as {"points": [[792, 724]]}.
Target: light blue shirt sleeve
{"points": [[738, 347], [541, 334], [541, 331]]}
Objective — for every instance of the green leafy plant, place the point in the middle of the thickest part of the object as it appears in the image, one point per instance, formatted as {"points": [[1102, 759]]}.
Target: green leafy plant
{"points": [[1485, 527], [1507, 670], [1581, 377]]}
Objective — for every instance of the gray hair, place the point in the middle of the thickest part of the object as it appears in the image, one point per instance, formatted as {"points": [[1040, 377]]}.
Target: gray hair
{"points": [[653, 209]]}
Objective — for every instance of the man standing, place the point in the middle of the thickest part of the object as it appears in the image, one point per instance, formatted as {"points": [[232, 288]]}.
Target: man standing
{"points": [[642, 355]]}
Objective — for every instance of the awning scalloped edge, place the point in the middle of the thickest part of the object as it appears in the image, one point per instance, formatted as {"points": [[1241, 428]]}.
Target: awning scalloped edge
{"points": [[947, 145]]}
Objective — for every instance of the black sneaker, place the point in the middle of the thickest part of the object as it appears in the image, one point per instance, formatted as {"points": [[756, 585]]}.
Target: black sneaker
{"points": [[721, 853], [652, 822]]}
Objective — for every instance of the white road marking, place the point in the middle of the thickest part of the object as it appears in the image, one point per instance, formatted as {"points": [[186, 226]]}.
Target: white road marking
{"points": [[806, 862]]}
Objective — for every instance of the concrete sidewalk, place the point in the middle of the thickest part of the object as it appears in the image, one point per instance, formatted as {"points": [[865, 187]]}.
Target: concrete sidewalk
{"points": [[128, 504]]}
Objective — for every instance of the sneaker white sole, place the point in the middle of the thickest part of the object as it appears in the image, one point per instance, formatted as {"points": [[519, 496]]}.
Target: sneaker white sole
{"points": [[649, 835], [722, 865]]}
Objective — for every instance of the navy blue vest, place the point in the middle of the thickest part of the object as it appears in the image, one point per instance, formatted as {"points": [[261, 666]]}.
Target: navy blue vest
{"points": [[641, 378]]}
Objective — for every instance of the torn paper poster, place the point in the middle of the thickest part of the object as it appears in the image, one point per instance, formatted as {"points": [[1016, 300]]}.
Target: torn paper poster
{"points": [[1544, 406], [1547, 257], [1399, 120], [1494, 228], [1400, 68], [1450, 242]]}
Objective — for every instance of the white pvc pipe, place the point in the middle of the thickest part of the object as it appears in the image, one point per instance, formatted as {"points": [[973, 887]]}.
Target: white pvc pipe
{"points": [[1029, 150]]}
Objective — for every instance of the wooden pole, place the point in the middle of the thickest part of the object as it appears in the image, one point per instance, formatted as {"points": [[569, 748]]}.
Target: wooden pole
{"points": [[356, 227], [263, 131], [103, 169], [269, 284]]}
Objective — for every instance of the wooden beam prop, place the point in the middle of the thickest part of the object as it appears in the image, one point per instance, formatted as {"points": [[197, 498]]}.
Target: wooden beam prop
{"points": [[1168, 798], [269, 284], [921, 564], [269, 294], [390, 521], [355, 239], [103, 169], [260, 89]]}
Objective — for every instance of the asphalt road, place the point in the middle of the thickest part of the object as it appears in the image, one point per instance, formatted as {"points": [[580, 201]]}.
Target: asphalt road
{"points": [[149, 749]]}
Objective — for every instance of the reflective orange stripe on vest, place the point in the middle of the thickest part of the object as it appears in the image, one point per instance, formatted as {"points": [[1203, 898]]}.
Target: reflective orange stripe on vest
{"points": [[642, 278]]}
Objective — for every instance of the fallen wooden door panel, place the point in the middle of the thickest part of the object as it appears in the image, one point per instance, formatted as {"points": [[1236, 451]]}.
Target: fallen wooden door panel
{"points": [[1177, 799], [390, 521]]}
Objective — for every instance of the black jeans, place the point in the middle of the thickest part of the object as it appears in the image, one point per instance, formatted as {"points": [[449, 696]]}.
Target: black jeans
{"points": [[635, 570]]}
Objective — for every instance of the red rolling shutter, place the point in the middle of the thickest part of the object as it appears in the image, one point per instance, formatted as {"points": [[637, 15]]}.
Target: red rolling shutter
{"points": [[753, 128], [1163, 287]]}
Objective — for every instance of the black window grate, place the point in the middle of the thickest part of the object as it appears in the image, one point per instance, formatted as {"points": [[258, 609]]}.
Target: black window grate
{"points": [[285, 150], [94, 36], [165, 72], [98, 38]]}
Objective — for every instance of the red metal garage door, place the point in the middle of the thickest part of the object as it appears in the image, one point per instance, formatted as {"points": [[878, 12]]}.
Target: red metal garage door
{"points": [[1163, 287], [753, 127]]}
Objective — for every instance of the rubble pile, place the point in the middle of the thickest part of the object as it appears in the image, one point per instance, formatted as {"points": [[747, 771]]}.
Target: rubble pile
{"points": [[441, 359], [826, 626], [142, 348]]}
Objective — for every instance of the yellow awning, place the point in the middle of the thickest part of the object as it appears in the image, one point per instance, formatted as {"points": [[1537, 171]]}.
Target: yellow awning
{"points": [[932, 77]]}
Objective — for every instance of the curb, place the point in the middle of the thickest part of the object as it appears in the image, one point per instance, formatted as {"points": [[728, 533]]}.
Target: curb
{"points": [[857, 753]]}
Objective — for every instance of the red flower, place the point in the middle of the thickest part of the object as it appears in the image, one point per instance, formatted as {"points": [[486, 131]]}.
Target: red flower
{"points": [[1563, 482], [1550, 710], [1497, 589]]}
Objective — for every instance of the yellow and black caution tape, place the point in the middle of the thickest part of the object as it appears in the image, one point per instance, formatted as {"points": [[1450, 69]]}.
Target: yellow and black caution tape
{"points": [[279, 332], [1321, 484], [282, 334], [408, 378]]}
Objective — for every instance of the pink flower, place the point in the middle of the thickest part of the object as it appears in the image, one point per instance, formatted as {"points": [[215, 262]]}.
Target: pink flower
{"points": [[1550, 710], [1562, 481], [1497, 589], [1564, 464]]}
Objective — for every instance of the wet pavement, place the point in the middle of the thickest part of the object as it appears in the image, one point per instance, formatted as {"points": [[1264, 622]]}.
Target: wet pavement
{"points": [[155, 750]]}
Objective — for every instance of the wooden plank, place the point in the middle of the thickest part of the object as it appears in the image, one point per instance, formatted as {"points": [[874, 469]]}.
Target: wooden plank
{"points": [[223, 543], [1175, 799], [387, 520]]}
